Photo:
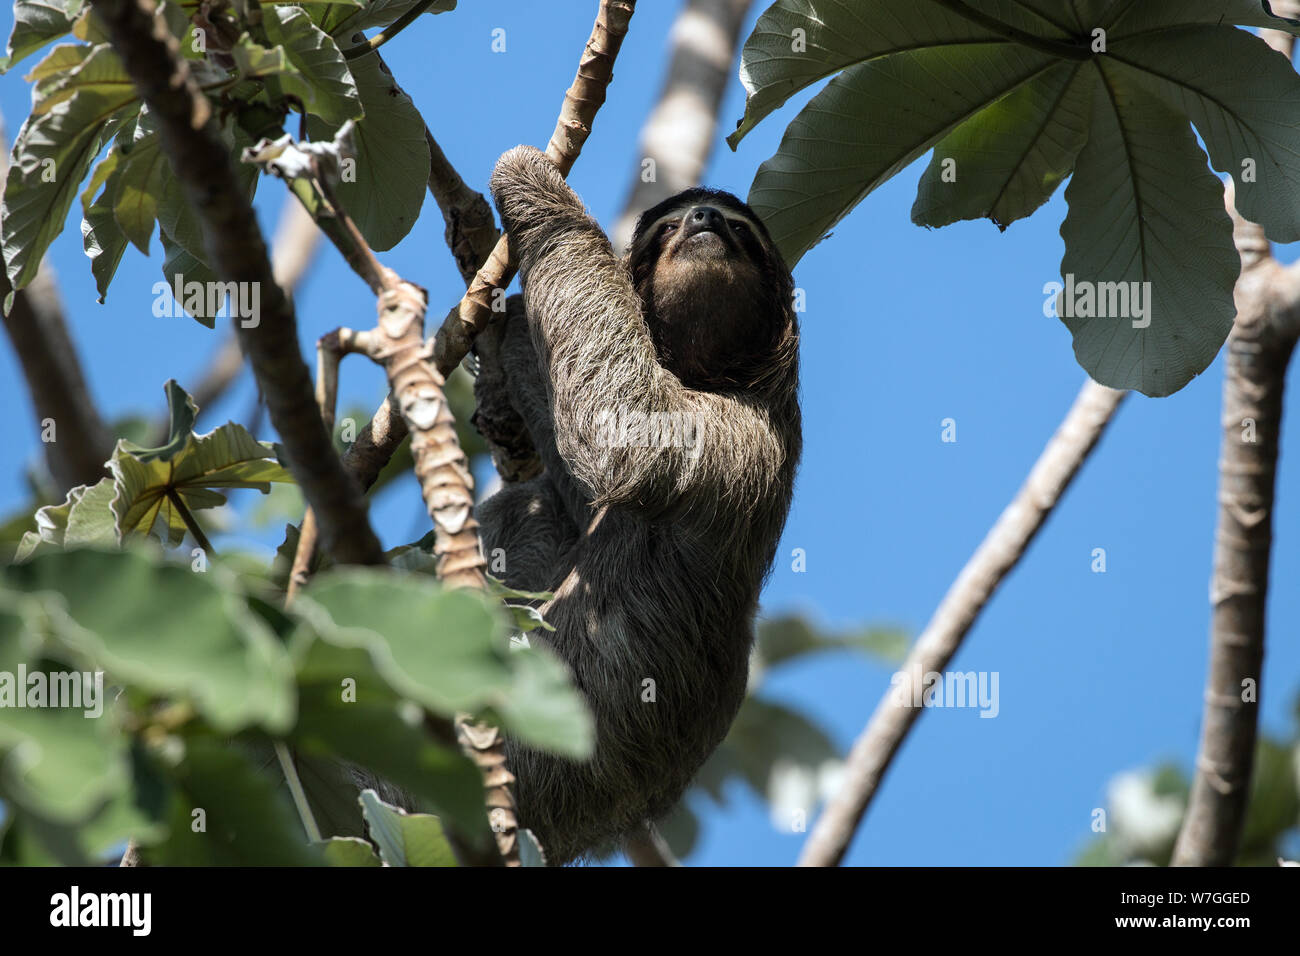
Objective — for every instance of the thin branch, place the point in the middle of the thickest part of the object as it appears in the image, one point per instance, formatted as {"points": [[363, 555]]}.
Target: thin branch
{"points": [[299, 795], [679, 135], [581, 102], [238, 253], [1000, 551], [397, 26]]}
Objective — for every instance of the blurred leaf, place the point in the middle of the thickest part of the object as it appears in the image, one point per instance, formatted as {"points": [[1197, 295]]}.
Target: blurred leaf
{"points": [[248, 823], [167, 630], [348, 710], [446, 649], [350, 851], [783, 638]]}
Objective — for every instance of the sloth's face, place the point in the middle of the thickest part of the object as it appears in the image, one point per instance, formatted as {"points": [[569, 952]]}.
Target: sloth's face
{"points": [[711, 287]]}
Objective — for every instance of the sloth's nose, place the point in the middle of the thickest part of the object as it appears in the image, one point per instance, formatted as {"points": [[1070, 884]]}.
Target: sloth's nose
{"points": [[704, 219]]}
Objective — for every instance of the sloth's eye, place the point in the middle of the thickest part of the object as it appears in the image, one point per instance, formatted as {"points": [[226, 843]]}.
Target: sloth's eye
{"points": [[668, 227], [740, 226]]}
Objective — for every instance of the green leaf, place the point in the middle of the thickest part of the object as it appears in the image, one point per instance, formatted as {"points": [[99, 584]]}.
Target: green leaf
{"points": [[36, 23], [795, 43], [1011, 156], [139, 179], [180, 267], [1125, 226], [85, 519], [350, 851], [1005, 90], [166, 629], [1154, 14], [187, 466], [253, 60], [100, 73], [392, 157], [61, 751], [781, 639], [247, 822], [56, 65], [447, 651], [1241, 95], [406, 839], [846, 161], [177, 219], [52, 153], [781, 754], [347, 710], [322, 81]]}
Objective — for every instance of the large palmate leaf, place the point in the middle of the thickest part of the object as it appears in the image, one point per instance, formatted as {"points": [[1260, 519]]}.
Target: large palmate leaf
{"points": [[1008, 92], [150, 481], [392, 157], [1128, 225]]}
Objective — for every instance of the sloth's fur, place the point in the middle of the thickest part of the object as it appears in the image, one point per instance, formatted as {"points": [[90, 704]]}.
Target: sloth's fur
{"points": [[656, 554]]}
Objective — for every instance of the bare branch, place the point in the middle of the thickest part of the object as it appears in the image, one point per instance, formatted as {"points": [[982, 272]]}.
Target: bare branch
{"points": [[1000, 551], [679, 135], [238, 253], [471, 231], [581, 101], [1259, 349]]}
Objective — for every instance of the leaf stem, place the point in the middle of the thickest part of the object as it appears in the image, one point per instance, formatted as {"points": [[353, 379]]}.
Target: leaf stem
{"points": [[1069, 51], [396, 27], [188, 517], [295, 789]]}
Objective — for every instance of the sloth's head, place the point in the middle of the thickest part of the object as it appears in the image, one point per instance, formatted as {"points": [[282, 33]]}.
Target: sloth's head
{"points": [[714, 290]]}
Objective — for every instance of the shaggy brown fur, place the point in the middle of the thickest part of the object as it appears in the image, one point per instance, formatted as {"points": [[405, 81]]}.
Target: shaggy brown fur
{"points": [[657, 541]]}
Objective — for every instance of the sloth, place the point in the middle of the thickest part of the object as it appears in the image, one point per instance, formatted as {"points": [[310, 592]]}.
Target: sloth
{"points": [[658, 393]]}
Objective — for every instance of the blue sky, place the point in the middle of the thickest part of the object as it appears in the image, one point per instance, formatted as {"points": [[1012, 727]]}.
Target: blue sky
{"points": [[904, 327]]}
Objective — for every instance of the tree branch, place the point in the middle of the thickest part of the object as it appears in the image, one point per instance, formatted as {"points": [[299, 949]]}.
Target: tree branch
{"points": [[202, 163], [581, 102], [1259, 348], [679, 134], [1000, 551]]}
